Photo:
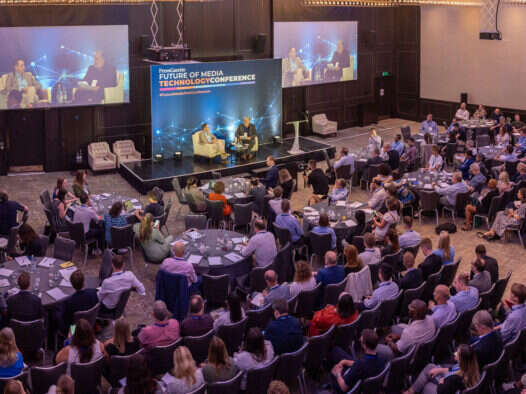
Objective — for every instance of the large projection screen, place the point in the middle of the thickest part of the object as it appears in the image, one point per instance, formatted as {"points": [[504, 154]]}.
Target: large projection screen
{"points": [[185, 96], [316, 52], [62, 66]]}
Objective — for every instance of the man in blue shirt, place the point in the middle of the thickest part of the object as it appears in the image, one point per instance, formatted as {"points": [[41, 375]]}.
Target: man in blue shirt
{"points": [[347, 372], [286, 220], [284, 332], [429, 126], [464, 167], [398, 145], [343, 158], [386, 290], [340, 191], [488, 345], [516, 313], [448, 194], [410, 238], [442, 309], [521, 144], [272, 175], [8, 213], [324, 228], [477, 179], [467, 296], [332, 272], [507, 155]]}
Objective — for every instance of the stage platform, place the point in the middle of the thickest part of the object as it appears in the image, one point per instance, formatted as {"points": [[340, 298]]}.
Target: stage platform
{"points": [[145, 174]]}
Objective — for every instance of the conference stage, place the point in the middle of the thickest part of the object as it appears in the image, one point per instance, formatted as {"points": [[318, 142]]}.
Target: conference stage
{"points": [[145, 174]]}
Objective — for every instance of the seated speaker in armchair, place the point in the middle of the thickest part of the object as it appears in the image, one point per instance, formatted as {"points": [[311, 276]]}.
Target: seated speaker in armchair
{"points": [[20, 87], [340, 60], [207, 145], [246, 134], [100, 75]]}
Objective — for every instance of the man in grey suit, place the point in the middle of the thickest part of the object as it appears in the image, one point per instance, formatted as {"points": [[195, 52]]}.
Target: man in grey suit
{"points": [[24, 82], [293, 69], [274, 290], [206, 137]]}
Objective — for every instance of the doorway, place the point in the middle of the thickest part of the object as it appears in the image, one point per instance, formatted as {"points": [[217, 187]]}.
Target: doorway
{"points": [[384, 96]]}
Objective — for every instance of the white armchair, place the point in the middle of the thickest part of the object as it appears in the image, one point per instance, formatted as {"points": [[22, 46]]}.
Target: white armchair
{"points": [[100, 157], [206, 150], [115, 94], [125, 151], [323, 126]]}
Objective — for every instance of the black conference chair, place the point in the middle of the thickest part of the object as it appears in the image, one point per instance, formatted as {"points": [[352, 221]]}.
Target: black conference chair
{"points": [[122, 241], [333, 291], [43, 378], [233, 334], [242, 216], [449, 271], [87, 376], [231, 386], [161, 357], [119, 309], [258, 379], [428, 203], [63, 249], [215, 289], [198, 222], [260, 317], [306, 302], [373, 385], [319, 244], [30, 338], [198, 346], [317, 350], [290, 368], [119, 367]]}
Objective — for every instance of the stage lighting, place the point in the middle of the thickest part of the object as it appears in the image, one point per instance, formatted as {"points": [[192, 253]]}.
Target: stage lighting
{"points": [[158, 157], [178, 155]]}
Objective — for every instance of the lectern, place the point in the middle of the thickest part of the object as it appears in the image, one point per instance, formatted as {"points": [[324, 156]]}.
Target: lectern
{"points": [[296, 145]]}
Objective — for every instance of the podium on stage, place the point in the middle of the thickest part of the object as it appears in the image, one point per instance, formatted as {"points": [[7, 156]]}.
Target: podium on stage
{"points": [[296, 144]]}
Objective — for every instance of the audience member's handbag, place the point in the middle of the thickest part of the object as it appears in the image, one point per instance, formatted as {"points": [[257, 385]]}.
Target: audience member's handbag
{"points": [[449, 227]]}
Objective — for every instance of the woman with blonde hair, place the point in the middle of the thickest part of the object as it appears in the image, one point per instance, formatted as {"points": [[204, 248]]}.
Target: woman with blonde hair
{"points": [[220, 366], [217, 195], [156, 246], [353, 262], [445, 250], [504, 184], [375, 141], [11, 361], [285, 181], [303, 279], [122, 343], [185, 377]]}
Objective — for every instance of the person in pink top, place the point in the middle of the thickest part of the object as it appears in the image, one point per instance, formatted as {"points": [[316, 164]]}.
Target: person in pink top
{"points": [[178, 265], [163, 332]]}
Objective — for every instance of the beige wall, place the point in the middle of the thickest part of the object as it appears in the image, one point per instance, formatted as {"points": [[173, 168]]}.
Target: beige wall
{"points": [[453, 59]]}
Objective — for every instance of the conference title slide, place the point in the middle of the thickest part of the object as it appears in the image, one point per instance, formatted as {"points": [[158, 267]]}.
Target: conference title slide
{"points": [[181, 80]]}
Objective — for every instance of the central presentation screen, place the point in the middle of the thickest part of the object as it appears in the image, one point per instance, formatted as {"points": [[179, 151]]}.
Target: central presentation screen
{"points": [[316, 52], [59, 66], [185, 96]]}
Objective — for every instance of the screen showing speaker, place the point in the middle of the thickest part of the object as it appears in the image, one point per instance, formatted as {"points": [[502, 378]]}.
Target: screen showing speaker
{"points": [[316, 52], [59, 66]]}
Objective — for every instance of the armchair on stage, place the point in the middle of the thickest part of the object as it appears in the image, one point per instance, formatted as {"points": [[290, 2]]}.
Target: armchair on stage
{"points": [[322, 125], [125, 152], [100, 157], [208, 151], [113, 94]]}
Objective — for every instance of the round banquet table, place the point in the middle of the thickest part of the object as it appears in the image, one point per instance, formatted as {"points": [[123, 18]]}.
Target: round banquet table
{"points": [[490, 152], [220, 244], [103, 202], [235, 189], [476, 123], [423, 180], [43, 279]]}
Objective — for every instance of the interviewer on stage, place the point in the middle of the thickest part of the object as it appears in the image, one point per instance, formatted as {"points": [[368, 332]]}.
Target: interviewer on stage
{"points": [[246, 133]]}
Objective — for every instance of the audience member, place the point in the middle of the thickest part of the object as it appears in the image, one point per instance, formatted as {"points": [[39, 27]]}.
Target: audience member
{"points": [[119, 281], [288, 221], [303, 279], [432, 262], [91, 222], [285, 331], [332, 272], [466, 163], [481, 279], [429, 126], [139, 378], [30, 241], [14, 387], [390, 218], [508, 217], [442, 309], [274, 290], [8, 213], [334, 315], [256, 352], [59, 209], [163, 332], [393, 244], [179, 265], [515, 308], [371, 254], [277, 387], [448, 194], [219, 366], [262, 245], [488, 345], [374, 142], [410, 238], [466, 297], [410, 153], [272, 176], [413, 276], [114, 218], [435, 161], [462, 113], [185, 376], [358, 229], [258, 191], [445, 250], [155, 245], [11, 362], [386, 290], [24, 305], [319, 182], [217, 195], [353, 262], [378, 196], [122, 343], [275, 203], [155, 206], [480, 112], [347, 372], [233, 312], [481, 204], [81, 300], [489, 263], [398, 145], [195, 195], [477, 180], [198, 322], [323, 227], [339, 192], [80, 184], [286, 183], [65, 385], [343, 158]]}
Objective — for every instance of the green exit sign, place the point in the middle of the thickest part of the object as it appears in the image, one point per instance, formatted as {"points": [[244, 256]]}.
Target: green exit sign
{"points": [[386, 74]]}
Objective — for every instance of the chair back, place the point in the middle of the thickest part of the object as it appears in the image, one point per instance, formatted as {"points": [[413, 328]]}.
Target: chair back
{"points": [[30, 336], [231, 386], [500, 288], [257, 278], [511, 167], [119, 309], [486, 297], [216, 288], [42, 378], [290, 366], [451, 149], [507, 197], [167, 209], [398, 371], [449, 271], [333, 291], [119, 366], [44, 242], [195, 221], [346, 334], [45, 198], [461, 200], [394, 260], [429, 200], [317, 350], [292, 303], [232, 335], [51, 219], [122, 237], [409, 296], [282, 233], [412, 249], [161, 358], [406, 132], [422, 353], [320, 243], [374, 384], [482, 140], [432, 281], [307, 300], [374, 272], [388, 309], [12, 240], [87, 376], [90, 315], [214, 210], [106, 269], [480, 388], [497, 371], [464, 323], [200, 390], [444, 339], [359, 242], [258, 379], [242, 214], [369, 319], [343, 172], [64, 248], [372, 171], [283, 264], [76, 233], [178, 191], [260, 317], [198, 346], [494, 206]]}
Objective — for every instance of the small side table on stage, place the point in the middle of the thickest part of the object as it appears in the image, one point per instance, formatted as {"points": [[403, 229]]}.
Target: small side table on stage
{"points": [[238, 150]]}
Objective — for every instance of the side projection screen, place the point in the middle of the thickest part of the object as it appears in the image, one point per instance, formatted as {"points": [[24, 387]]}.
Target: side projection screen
{"points": [[62, 66], [316, 52]]}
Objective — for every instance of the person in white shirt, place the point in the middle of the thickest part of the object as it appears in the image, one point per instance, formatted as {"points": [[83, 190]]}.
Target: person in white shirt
{"points": [[119, 281], [462, 113], [275, 203], [340, 191], [435, 161], [409, 238], [262, 245], [378, 195]]}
